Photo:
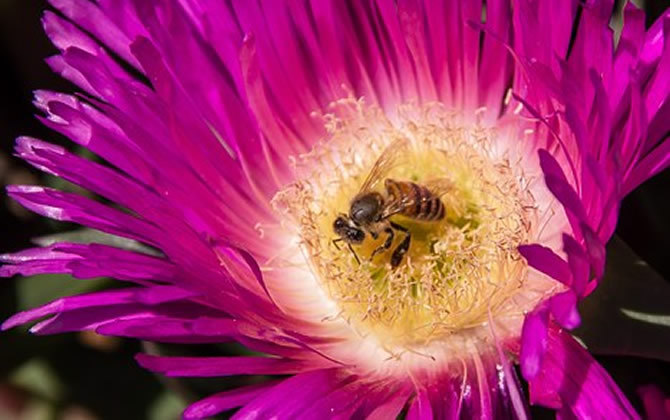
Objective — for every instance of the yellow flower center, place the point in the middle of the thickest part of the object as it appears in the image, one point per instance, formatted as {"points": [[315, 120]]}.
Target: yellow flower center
{"points": [[459, 270]]}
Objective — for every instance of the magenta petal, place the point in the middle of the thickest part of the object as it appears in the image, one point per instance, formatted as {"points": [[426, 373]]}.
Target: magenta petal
{"points": [[545, 260], [420, 408], [267, 117], [344, 27], [99, 317], [571, 379], [302, 59], [226, 400], [111, 299], [34, 261], [658, 126], [250, 262], [629, 48], [70, 207], [65, 304], [511, 384], [534, 342], [560, 187], [653, 163], [414, 31], [654, 42], [88, 318], [494, 53], [595, 249], [579, 264], [161, 294], [564, 309], [310, 387], [221, 366], [160, 328], [66, 36], [86, 261], [89, 127], [389, 408], [341, 403], [566, 195], [550, 165], [658, 88], [89, 16], [90, 175], [656, 405]]}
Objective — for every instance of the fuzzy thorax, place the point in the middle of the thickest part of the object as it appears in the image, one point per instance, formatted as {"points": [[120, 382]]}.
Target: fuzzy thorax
{"points": [[459, 271]]}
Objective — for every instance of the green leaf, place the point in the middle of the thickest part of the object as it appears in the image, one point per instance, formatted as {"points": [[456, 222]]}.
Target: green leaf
{"points": [[37, 377], [167, 406], [87, 236], [629, 312], [37, 409], [38, 290]]}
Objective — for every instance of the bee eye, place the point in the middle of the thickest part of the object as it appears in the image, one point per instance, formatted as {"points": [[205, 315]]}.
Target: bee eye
{"points": [[339, 223]]}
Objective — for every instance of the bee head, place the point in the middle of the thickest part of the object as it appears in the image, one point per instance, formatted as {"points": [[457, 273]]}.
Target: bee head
{"points": [[348, 230]]}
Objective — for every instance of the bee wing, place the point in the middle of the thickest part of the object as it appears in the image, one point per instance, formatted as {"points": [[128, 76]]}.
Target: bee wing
{"points": [[439, 186], [397, 206], [393, 156]]}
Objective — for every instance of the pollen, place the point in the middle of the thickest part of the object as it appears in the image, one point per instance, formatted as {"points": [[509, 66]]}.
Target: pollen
{"points": [[459, 270]]}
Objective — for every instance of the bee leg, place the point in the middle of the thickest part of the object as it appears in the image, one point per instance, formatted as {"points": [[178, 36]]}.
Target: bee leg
{"points": [[401, 250], [354, 252], [335, 241], [387, 243]]}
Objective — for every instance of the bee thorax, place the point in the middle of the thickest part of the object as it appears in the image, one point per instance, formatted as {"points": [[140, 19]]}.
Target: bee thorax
{"points": [[366, 208]]}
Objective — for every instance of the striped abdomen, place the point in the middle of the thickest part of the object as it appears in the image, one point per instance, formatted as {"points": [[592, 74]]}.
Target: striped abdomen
{"points": [[414, 200]]}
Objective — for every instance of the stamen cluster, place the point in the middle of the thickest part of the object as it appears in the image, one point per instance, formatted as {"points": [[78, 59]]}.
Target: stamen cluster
{"points": [[459, 270]]}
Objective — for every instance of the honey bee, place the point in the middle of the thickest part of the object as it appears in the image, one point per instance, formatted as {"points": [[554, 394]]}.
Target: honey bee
{"points": [[370, 210]]}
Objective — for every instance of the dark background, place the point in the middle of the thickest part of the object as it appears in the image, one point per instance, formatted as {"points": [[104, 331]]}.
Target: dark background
{"points": [[83, 376]]}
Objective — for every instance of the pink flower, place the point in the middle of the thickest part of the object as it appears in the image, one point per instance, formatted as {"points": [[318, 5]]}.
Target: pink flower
{"points": [[255, 124]]}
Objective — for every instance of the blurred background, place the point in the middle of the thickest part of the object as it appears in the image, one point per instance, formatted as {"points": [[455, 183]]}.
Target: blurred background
{"points": [[85, 376]]}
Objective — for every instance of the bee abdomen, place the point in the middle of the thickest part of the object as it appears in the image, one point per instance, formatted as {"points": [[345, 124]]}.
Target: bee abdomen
{"points": [[428, 207], [425, 205]]}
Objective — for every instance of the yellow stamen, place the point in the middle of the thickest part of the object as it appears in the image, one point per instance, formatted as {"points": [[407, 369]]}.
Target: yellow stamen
{"points": [[459, 270]]}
